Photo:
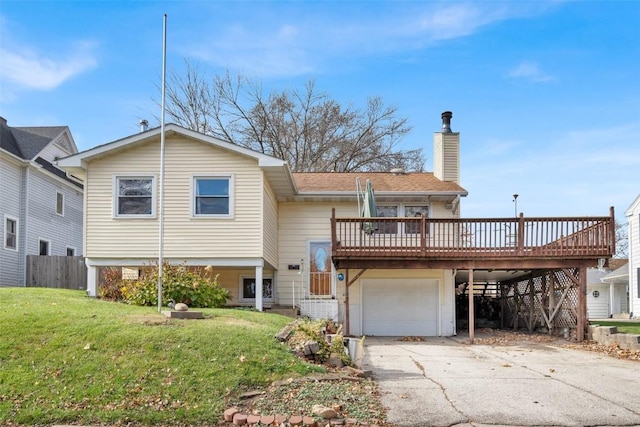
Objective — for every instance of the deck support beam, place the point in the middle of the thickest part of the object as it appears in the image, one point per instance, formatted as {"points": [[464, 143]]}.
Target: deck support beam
{"points": [[581, 326]]}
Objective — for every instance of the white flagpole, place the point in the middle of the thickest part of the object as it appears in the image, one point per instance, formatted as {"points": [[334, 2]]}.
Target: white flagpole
{"points": [[161, 190]]}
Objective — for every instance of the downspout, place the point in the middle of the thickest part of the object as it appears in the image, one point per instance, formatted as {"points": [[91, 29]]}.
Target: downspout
{"points": [[25, 195]]}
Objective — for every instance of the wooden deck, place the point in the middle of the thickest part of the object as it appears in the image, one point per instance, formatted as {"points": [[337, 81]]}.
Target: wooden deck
{"points": [[471, 243]]}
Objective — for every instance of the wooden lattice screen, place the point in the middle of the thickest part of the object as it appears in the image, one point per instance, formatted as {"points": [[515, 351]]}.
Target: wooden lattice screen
{"points": [[546, 301]]}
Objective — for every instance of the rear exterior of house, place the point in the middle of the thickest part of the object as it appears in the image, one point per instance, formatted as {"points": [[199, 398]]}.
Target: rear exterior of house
{"points": [[40, 206], [251, 219]]}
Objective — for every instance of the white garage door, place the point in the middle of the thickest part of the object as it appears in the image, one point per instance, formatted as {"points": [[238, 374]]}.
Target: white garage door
{"points": [[398, 307]]}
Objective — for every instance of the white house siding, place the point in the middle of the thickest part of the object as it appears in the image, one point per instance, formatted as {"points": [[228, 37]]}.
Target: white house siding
{"points": [[446, 156], [184, 237], [633, 218], [598, 306], [10, 190], [270, 225], [45, 223], [54, 151]]}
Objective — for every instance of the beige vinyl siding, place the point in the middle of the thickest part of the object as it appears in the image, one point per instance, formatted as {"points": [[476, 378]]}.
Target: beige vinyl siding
{"points": [[298, 223], [184, 237], [446, 157], [270, 225]]}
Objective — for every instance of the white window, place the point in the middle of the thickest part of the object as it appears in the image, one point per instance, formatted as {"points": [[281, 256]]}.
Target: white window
{"points": [[399, 211], [10, 233], [212, 196], [248, 289], [134, 196], [415, 212], [60, 203], [71, 251], [44, 247]]}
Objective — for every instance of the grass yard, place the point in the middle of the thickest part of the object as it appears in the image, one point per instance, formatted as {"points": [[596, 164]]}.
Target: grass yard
{"points": [[67, 358], [626, 327]]}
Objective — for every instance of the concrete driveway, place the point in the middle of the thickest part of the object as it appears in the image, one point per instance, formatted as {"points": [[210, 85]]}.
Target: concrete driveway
{"points": [[443, 382]]}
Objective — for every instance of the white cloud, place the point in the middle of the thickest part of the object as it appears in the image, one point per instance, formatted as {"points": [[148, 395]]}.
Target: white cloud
{"points": [[29, 69], [530, 71], [272, 47]]}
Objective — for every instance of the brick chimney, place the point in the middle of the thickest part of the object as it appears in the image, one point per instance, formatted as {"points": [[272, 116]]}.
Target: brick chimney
{"points": [[446, 151]]}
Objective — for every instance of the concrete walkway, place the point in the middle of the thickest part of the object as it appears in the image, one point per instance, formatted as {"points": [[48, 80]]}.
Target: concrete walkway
{"points": [[443, 382]]}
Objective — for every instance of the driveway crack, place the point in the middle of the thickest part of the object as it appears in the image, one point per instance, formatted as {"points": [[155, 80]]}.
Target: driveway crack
{"points": [[444, 391]]}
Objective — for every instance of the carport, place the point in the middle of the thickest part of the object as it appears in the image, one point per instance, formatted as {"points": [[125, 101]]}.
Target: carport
{"points": [[537, 264]]}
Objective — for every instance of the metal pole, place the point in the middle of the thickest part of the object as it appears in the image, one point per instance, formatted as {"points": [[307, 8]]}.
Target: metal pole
{"points": [[161, 189]]}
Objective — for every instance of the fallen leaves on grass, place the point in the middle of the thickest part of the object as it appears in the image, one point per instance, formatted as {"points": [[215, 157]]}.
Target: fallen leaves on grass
{"points": [[357, 399]]}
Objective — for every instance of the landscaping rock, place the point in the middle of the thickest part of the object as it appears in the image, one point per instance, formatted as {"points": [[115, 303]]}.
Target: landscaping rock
{"points": [[295, 420], [181, 307], [324, 412], [267, 420], [253, 419], [334, 361], [239, 419], [308, 422], [311, 348], [229, 413]]}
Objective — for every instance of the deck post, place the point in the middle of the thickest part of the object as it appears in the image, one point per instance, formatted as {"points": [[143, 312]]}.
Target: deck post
{"points": [[582, 304], [471, 313], [532, 305], [346, 303], [521, 234]]}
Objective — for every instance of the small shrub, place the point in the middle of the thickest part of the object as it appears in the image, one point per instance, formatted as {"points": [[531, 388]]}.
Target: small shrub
{"points": [[196, 287], [110, 283]]}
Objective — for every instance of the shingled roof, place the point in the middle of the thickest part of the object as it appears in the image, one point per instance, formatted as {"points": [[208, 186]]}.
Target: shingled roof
{"points": [[27, 142], [383, 182]]}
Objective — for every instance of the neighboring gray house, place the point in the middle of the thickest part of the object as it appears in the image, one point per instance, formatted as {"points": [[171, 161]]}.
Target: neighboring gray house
{"points": [[40, 205]]}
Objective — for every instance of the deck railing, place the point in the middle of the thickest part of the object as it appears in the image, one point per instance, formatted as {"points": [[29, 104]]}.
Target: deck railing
{"points": [[455, 238]]}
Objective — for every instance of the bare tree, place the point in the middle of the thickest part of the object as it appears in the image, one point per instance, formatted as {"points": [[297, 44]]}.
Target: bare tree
{"points": [[622, 241], [308, 129]]}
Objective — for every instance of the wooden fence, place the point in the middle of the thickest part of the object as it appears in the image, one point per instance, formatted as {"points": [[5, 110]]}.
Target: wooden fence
{"points": [[66, 272]]}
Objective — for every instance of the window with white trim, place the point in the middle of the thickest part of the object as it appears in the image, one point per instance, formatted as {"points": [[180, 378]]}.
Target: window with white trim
{"points": [[416, 212], [212, 196], [134, 196], [248, 289], [399, 211], [10, 233], [71, 251], [59, 203]]}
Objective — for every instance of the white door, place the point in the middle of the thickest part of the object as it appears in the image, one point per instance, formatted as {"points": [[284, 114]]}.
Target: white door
{"points": [[400, 307]]}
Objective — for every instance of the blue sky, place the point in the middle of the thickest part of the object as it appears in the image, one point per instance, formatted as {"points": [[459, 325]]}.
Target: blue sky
{"points": [[545, 95]]}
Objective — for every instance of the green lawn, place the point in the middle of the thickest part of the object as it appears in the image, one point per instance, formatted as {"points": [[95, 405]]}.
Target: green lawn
{"points": [[628, 327], [67, 358]]}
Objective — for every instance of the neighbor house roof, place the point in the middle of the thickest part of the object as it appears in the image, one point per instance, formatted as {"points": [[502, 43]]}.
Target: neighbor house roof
{"points": [[28, 142], [621, 275]]}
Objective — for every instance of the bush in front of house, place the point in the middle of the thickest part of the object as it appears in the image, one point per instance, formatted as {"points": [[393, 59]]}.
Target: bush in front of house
{"points": [[196, 287]]}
